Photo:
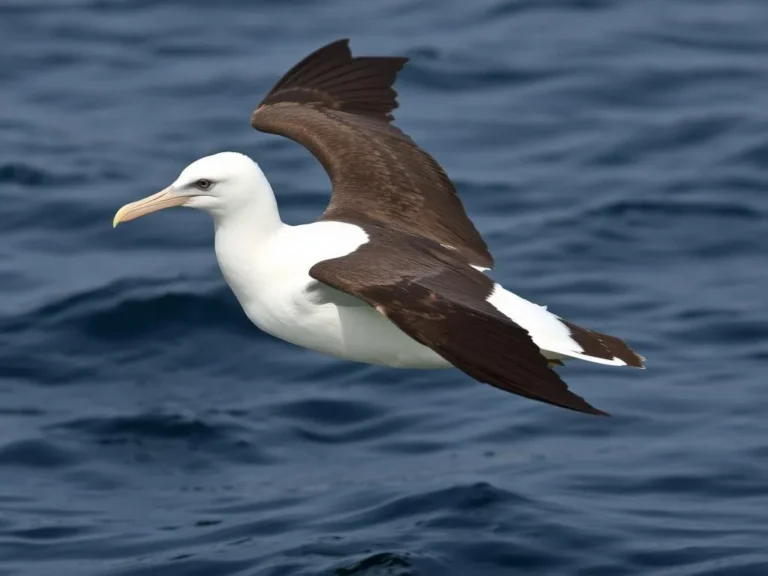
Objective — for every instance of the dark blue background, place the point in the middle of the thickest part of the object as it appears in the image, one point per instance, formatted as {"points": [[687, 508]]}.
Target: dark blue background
{"points": [[613, 154]]}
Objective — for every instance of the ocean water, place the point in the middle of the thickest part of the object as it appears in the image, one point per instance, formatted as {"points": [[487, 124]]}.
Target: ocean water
{"points": [[613, 153]]}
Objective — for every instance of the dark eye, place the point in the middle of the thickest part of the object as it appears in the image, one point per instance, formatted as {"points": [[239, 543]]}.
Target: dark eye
{"points": [[203, 184]]}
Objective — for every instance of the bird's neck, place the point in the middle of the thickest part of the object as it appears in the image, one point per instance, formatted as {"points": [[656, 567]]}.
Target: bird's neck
{"points": [[243, 237], [243, 241], [254, 220]]}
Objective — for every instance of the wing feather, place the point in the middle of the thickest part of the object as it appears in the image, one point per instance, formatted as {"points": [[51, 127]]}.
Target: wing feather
{"points": [[438, 300], [340, 108]]}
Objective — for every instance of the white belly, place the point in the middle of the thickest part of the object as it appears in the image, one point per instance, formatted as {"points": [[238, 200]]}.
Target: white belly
{"points": [[277, 294], [357, 332]]}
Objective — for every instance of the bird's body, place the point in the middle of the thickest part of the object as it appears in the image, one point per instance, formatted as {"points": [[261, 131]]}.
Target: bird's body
{"points": [[394, 273], [272, 283]]}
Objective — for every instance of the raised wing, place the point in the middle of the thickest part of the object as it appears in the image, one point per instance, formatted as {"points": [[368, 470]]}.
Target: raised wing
{"points": [[340, 108], [432, 295]]}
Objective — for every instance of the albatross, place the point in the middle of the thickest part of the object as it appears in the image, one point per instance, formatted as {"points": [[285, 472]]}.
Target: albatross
{"points": [[394, 272]]}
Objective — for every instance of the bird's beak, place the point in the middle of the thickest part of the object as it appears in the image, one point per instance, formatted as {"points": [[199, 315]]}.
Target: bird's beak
{"points": [[163, 199]]}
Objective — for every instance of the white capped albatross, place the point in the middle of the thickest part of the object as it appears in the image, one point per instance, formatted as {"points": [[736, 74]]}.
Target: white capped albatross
{"points": [[393, 272]]}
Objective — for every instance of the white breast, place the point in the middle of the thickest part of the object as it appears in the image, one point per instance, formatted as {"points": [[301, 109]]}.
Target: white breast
{"points": [[271, 281]]}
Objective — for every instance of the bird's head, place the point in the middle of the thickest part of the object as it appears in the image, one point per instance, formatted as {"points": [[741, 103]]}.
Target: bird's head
{"points": [[222, 184]]}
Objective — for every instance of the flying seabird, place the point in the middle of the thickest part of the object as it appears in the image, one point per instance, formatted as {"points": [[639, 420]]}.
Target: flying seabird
{"points": [[393, 272]]}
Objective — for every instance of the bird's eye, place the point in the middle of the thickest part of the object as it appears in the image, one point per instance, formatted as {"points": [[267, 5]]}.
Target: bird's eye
{"points": [[203, 184]]}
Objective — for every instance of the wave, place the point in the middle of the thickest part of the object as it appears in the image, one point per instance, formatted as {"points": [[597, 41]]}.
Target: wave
{"points": [[28, 175], [167, 435], [130, 309]]}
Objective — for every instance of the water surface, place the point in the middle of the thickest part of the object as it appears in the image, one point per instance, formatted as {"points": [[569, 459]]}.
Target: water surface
{"points": [[612, 153]]}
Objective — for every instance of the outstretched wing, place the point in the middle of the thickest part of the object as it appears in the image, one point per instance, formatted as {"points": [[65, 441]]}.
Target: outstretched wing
{"points": [[440, 301], [340, 108]]}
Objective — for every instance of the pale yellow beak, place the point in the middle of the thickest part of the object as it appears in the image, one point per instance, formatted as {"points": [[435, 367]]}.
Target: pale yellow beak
{"points": [[163, 199]]}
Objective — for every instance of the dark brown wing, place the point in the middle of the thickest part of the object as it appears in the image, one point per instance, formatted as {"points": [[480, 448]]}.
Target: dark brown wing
{"points": [[440, 301], [339, 107]]}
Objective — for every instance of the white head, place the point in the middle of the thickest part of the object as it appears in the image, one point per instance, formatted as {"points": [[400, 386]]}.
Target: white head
{"points": [[225, 185]]}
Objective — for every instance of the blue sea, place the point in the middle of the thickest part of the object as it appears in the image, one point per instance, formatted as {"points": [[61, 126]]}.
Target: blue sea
{"points": [[613, 153]]}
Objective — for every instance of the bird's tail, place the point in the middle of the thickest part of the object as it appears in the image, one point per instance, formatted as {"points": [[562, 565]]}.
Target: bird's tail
{"points": [[602, 348], [559, 339]]}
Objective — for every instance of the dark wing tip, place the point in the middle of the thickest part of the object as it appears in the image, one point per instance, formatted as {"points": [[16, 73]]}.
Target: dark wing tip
{"points": [[331, 77]]}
